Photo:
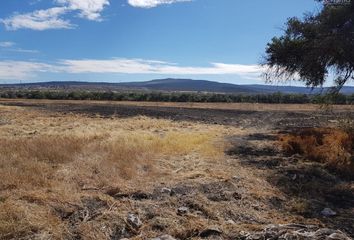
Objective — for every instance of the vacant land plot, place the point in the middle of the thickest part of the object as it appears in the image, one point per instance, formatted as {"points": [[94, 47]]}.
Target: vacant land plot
{"points": [[103, 170]]}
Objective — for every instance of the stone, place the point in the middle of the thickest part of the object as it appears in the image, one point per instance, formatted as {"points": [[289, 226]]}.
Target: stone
{"points": [[327, 212], [166, 190], [164, 237], [210, 232], [295, 231], [231, 222], [182, 210], [134, 221], [338, 236]]}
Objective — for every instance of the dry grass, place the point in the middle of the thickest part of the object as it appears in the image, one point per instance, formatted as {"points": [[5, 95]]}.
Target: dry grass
{"points": [[71, 176], [331, 146], [48, 161]]}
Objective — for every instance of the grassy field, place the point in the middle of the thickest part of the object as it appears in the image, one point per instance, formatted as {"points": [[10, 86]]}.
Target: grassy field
{"points": [[77, 175]]}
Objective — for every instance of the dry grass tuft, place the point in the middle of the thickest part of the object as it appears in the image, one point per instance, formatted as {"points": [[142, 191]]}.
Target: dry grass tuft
{"points": [[20, 219], [331, 146]]}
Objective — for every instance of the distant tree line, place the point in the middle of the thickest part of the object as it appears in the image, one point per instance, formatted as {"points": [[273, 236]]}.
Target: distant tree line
{"points": [[177, 96]]}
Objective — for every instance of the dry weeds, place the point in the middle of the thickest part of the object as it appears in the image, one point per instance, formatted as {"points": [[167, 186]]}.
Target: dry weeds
{"points": [[331, 146], [49, 162], [75, 176]]}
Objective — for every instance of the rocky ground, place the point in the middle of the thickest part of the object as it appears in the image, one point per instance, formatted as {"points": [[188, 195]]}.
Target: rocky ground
{"points": [[255, 192]]}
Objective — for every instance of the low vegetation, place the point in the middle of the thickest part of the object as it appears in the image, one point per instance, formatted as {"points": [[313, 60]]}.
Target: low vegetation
{"points": [[334, 147], [48, 164], [177, 97], [69, 174]]}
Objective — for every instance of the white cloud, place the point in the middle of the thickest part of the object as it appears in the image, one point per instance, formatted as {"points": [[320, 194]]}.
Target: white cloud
{"points": [[21, 50], [152, 3], [140, 66], [19, 70], [7, 44], [89, 9], [10, 47], [53, 18], [38, 20], [22, 70]]}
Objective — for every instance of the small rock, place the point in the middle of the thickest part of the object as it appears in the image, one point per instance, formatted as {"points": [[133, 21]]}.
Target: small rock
{"points": [[134, 221], [237, 178], [182, 210], [231, 222], [295, 231], [210, 232], [164, 237], [338, 236], [166, 190], [327, 212]]}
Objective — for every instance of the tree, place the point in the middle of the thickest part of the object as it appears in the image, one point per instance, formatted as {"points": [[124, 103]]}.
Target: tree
{"points": [[315, 47]]}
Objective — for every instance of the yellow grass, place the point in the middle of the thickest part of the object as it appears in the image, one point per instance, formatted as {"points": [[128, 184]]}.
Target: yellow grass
{"points": [[331, 146], [47, 161], [51, 163]]}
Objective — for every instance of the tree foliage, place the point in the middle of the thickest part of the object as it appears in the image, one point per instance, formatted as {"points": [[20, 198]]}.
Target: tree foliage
{"points": [[314, 47]]}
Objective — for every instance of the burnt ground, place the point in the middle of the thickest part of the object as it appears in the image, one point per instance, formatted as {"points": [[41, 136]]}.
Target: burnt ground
{"points": [[306, 187], [237, 117]]}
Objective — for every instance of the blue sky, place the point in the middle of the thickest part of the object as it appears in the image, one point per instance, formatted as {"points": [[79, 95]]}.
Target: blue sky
{"points": [[136, 40]]}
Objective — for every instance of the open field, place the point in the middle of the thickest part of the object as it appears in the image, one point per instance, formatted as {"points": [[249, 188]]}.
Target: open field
{"points": [[78, 169]]}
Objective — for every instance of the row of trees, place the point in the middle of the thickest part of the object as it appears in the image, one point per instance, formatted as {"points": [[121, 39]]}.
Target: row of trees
{"points": [[177, 97]]}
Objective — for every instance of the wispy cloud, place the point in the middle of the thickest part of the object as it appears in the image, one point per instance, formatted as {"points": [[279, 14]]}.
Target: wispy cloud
{"points": [[56, 17], [6, 44], [21, 70], [25, 70], [10, 47], [140, 66], [88, 9], [152, 3], [53, 18], [21, 50], [38, 20]]}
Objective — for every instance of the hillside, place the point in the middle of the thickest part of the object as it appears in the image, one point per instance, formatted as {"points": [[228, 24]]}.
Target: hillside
{"points": [[171, 84]]}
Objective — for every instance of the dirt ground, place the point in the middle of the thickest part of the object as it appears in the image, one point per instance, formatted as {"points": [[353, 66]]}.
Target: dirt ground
{"points": [[241, 186]]}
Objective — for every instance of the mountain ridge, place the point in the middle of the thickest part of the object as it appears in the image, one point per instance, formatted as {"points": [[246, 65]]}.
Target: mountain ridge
{"points": [[175, 85]]}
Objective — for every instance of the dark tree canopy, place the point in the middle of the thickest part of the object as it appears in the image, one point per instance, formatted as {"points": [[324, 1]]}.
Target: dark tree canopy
{"points": [[314, 47]]}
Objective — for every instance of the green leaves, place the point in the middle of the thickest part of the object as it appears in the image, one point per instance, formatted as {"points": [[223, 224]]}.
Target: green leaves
{"points": [[312, 46]]}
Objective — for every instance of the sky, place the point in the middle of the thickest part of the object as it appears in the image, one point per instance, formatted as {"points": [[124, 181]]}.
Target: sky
{"points": [[139, 40]]}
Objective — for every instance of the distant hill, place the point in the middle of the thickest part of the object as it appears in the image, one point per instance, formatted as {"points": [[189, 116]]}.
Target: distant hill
{"points": [[171, 84], [189, 85]]}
